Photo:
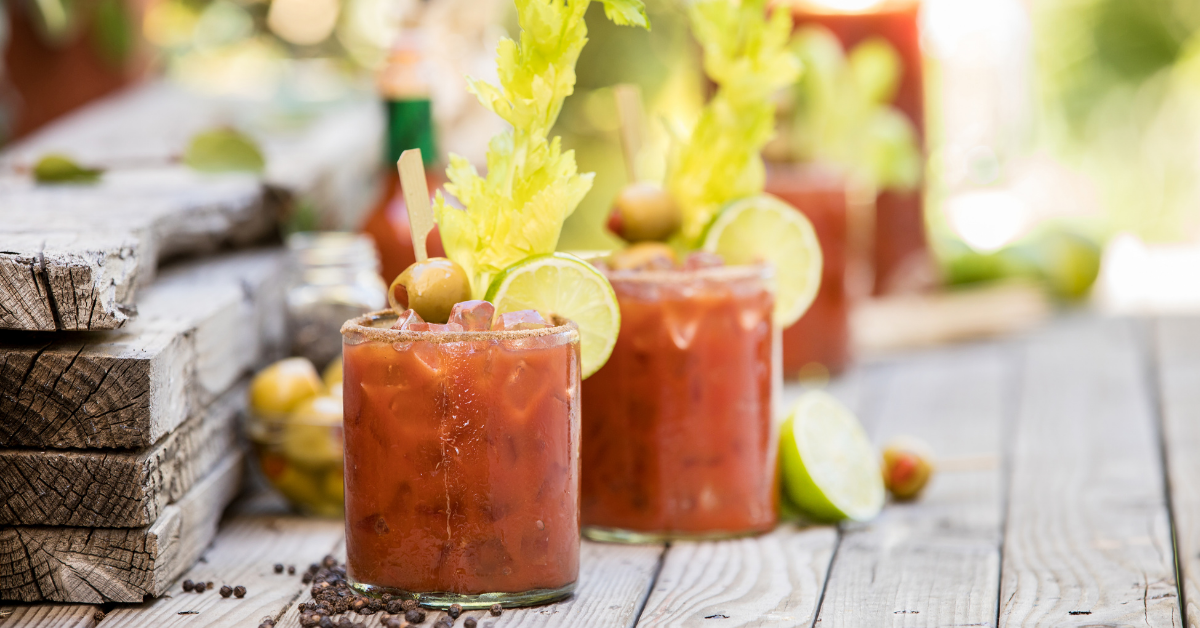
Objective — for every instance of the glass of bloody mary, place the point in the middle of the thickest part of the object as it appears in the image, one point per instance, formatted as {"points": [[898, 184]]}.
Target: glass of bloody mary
{"points": [[677, 427], [462, 462]]}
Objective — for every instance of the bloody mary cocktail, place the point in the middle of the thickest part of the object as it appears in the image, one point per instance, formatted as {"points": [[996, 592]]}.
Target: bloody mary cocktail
{"points": [[462, 462], [677, 432]]}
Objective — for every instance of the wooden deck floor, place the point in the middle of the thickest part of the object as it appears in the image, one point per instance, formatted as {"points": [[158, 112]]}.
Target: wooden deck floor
{"points": [[1068, 495]]}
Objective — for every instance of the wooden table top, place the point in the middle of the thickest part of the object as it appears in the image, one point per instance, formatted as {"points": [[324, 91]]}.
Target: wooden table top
{"points": [[1069, 459]]}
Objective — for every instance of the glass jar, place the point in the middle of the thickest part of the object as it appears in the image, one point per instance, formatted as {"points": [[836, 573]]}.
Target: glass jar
{"points": [[678, 437], [335, 278], [462, 463]]}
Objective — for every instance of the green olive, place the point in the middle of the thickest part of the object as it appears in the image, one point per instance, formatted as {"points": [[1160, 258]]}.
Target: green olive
{"points": [[647, 212], [643, 256], [431, 287]]}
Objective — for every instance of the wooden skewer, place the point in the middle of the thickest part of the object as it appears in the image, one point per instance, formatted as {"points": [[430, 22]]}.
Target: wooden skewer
{"points": [[631, 119], [416, 197]]}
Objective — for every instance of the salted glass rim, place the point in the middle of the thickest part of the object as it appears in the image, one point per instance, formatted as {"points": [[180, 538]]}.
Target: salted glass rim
{"points": [[735, 272], [363, 326]]}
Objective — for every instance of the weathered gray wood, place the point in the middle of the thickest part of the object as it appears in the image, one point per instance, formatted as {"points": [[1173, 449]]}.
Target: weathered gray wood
{"points": [[125, 489], [203, 325], [72, 257], [1087, 539], [96, 565], [613, 582], [934, 561], [1177, 341], [243, 553], [49, 615], [772, 580]]}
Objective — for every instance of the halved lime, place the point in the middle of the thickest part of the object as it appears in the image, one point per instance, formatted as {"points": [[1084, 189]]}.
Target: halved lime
{"points": [[562, 284], [830, 469], [765, 229]]}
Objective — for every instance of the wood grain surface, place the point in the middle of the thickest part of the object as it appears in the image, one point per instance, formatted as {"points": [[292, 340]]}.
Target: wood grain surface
{"points": [[72, 257], [934, 561], [96, 565], [116, 489], [1087, 540], [49, 615], [244, 553], [204, 325], [1177, 345]]}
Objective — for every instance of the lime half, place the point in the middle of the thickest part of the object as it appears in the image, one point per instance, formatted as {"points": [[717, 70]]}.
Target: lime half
{"points": [[830, 470], [765, 229], [562, 284]]}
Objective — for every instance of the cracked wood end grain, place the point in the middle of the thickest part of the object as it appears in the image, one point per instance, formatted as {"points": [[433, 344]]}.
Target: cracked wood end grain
{"points": [[96, 565], [203, 325], [124, 489]]}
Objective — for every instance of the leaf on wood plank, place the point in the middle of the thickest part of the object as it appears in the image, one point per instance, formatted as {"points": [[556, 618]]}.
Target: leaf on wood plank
{"points": [[224, 150], [58, 168]]}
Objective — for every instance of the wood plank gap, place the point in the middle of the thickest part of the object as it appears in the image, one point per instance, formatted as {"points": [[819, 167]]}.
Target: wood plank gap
{"points": [[1177, 359]]}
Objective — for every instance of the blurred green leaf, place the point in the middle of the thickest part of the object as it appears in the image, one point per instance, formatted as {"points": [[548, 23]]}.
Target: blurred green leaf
{"points": [[113, 31], [875, 67], [58, 168], [224, 150]]}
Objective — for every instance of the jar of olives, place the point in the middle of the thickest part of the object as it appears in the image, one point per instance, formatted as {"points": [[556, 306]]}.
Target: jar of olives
{"points": [[335, 278]]}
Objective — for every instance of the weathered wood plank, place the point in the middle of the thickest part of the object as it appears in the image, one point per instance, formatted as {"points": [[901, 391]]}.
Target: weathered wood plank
{"points": [[49, 615], [95, 565], [125, 489], [1177, 343], [935, 561], [243, 553], [1086, 540], [91, 247], [772, 580], [204, 324]]}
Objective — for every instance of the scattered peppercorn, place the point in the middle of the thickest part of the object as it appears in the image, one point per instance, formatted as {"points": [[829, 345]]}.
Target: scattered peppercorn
{"points": [[345, 622], [268, 620], [414, 616], [469, 622], [395, 607], [329, 562], [188, 585], [391, 622], [291, 570], [495, 610], [208, 585], [266, 625], [443, 622], [455, 611], [199, 587], [408, 605], [226, 591], [239, 591], [325, 622], [306, 578], [278, 567], [98, 615]]}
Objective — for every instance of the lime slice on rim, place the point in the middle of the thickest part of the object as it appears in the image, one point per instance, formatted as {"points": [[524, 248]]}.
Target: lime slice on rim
{"points": [[565, 285], [765, 229], [830, 469]]}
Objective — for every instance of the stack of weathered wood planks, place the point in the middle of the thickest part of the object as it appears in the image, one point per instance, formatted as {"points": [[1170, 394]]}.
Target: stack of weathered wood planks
{"points": [[131, 313]]}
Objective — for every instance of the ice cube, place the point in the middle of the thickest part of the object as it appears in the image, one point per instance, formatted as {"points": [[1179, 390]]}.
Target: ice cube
{"points": [[407, 320], [521, 319], [697, 260], [438, 327], [473, 315]]}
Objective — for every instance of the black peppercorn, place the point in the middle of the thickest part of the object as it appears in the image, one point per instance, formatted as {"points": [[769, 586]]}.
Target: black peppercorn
{"points": [[443, 622], [408, 605], [455, 611], [208, 585], [495, 610], [199, 587], [314, 568], [325, 622], [291, 570], [306, 578], [414, 616], [278, 567], [469, 622], [188, 585], [395, 607], [226, 591], [329, 562], [239, 591], [98, 615]]}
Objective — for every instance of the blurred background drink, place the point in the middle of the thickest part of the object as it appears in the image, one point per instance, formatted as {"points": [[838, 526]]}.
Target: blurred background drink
{"points": [[462, 462], [677, 433]]}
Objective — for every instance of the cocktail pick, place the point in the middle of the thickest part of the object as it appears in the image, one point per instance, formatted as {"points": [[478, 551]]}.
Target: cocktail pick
{"points": [[416, 197], [630, 116]]}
